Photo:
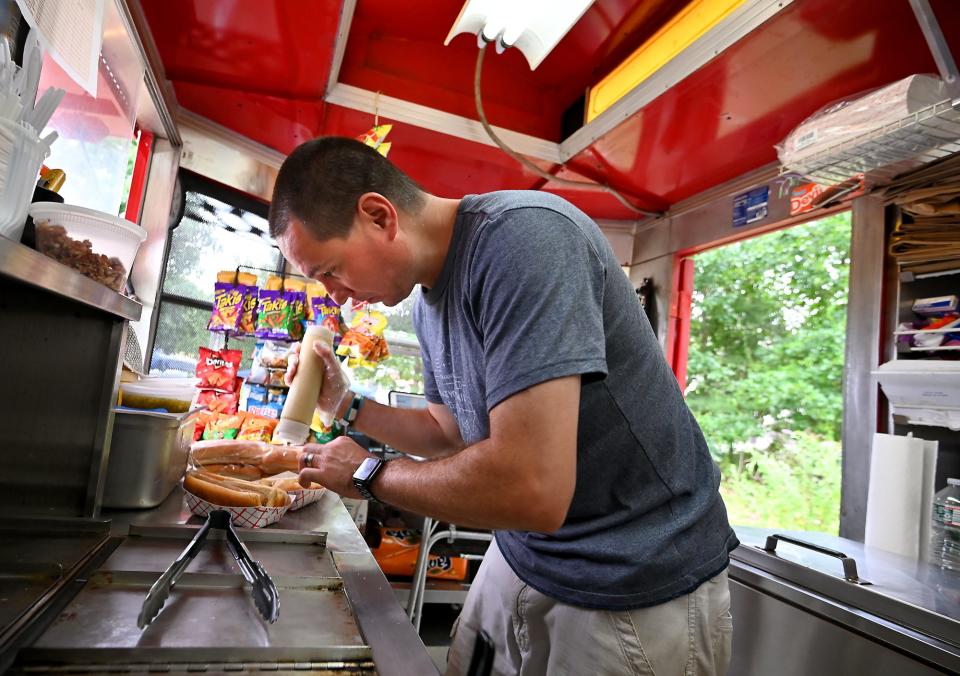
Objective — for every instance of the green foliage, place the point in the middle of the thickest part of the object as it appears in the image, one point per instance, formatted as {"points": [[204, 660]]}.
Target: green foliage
{"points": [[766, 360], [797, 488]]}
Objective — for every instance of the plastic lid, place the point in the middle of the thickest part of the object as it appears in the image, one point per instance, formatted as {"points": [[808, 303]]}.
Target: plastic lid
{"points": [[182, 390], [292, 432], [53, 210], [953, 482]]}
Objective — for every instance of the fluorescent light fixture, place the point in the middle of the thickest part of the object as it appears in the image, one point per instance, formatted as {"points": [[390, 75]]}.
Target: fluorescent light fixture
{"points": [[532, 26], [688, 26]]}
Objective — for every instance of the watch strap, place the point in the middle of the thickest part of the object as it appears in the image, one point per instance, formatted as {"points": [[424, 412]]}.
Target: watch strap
{"points": [[350, 415]]}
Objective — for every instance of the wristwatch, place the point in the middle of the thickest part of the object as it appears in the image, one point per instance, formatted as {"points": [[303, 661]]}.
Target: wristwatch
{"points": [[365, 474]]}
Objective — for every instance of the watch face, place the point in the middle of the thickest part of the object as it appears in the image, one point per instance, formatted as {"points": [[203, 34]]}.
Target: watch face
{"points": [[367, 469]]}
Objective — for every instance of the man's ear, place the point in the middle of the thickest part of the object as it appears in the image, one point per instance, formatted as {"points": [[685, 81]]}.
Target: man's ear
{"points": [[377, 211]]}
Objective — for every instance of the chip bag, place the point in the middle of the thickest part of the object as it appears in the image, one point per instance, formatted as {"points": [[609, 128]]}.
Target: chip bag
{"points": [[248, 312], [375, 138], [217, 369], [363, 344], [273, 315], [224, 425], [227, 307], [257, 428]]}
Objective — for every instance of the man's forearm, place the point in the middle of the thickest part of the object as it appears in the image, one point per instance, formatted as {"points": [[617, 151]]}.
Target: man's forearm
{"points": [[412, 431], [468, 490]]}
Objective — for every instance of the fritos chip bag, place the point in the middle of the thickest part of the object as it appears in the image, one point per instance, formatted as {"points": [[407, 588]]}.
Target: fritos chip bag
{"points": [[217, 369]]}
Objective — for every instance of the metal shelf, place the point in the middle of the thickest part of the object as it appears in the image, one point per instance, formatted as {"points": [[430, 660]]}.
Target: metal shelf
{"points": [[31, 267], [929, 134]]}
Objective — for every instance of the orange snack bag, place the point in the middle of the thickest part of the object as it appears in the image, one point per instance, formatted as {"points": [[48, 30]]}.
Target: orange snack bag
{"points": [[257, 428]]}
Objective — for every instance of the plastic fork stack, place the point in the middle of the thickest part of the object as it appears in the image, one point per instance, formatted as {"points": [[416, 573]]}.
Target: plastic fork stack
{"points": [[22, 118]]}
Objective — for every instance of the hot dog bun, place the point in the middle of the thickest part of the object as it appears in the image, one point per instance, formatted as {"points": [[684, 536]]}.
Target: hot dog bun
{"points": [[269, 496], [235, 471], [269, 458], [288, 483], [220, 495], [281, 459]]}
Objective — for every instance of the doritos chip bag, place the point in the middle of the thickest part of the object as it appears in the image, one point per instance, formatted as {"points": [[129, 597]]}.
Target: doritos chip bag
{"points": [[217, 369]]}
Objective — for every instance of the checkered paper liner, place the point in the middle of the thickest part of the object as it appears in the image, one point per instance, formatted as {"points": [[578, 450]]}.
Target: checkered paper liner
{"points": [[244, 517], [304, 497]]}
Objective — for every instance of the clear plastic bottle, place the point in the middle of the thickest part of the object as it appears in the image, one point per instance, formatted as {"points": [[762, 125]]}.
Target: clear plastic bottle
{"points": [[945, 527]]}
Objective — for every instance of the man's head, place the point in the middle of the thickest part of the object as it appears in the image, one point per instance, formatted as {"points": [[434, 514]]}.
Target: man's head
{"points": [[321, 180], [336, 212]]}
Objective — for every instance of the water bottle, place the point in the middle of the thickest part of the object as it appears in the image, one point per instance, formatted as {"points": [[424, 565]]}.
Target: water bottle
{"points": [[945, 528]]}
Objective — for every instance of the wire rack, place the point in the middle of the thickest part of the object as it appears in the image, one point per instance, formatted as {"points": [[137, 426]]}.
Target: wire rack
{"points": [[929, 134]]}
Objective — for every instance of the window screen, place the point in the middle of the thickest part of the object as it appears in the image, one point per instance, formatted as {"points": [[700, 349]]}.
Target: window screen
{"points": [[218, 231]]}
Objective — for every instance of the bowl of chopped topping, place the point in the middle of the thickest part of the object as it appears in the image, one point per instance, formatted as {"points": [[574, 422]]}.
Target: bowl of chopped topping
{"points": [[98, 245]]}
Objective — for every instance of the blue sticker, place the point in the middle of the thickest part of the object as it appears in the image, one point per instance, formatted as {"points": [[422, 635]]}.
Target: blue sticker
{"points": [[750, 207]]}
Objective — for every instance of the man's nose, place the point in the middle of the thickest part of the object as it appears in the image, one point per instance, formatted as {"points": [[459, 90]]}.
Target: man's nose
{"points": [[339, 294]]}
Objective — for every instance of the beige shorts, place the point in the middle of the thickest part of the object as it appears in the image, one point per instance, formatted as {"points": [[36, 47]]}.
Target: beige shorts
{"points": [[535, 635]]}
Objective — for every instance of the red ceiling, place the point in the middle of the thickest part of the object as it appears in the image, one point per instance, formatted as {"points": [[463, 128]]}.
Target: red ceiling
{"points": [[260, 67]]}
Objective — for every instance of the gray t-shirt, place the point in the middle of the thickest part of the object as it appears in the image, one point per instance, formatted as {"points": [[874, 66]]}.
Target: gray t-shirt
{"points": [[531, 291]]}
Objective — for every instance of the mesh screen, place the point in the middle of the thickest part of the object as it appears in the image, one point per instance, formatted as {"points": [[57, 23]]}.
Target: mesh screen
{"points": [[212, 236]]}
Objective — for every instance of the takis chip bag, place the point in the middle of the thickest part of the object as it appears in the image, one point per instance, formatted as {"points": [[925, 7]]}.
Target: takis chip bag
{"points": [[273, 315], [227, 307], [217, 369], [248, 313]]}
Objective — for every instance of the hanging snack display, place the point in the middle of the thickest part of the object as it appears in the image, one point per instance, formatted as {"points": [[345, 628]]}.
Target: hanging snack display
{"points": [[364, 344]]}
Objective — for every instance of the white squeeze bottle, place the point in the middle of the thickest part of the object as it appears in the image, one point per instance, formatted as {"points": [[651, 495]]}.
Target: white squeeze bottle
{"points": [[294, 425]]}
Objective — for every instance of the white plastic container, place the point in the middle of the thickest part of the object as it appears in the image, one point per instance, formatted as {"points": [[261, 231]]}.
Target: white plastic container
{"points": [[150, 393], [111, 236]]}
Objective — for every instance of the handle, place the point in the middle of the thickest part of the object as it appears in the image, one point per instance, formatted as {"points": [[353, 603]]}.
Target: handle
{"points": [[265, 594], [849, 565]]}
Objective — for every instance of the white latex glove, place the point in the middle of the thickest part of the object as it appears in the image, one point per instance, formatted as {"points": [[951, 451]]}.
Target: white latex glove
{"points": [[335, 394]]}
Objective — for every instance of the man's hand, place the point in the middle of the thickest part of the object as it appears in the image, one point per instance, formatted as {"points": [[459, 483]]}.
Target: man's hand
{"points": [[333, 465], [336, 388]]}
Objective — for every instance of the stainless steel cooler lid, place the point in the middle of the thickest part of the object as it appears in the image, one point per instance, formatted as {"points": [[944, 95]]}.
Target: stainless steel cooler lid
{"points": [[908, 592]]}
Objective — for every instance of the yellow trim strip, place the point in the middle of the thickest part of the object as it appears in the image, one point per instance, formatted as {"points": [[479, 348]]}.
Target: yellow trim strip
{"points": [[690, 24]]}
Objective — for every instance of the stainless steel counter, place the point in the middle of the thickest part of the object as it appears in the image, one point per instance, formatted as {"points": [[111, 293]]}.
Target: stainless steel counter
{"points": [[338, 613]]}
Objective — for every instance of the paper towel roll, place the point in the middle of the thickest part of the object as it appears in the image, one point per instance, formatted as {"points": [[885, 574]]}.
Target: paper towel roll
{"points": [[898, 499]]}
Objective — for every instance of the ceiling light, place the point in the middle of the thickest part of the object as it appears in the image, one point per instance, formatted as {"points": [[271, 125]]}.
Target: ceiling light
{"points": [[532, 26], [689, 25]]}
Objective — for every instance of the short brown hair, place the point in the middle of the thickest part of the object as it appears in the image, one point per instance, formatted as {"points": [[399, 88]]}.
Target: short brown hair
{"points": [[321, 180]]}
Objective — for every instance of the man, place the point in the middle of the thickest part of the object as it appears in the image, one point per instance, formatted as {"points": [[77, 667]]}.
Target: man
{"points": [[553, 418]]}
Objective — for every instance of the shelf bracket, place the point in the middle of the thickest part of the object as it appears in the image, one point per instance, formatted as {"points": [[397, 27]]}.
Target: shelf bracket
{"points": [[938, 47]]}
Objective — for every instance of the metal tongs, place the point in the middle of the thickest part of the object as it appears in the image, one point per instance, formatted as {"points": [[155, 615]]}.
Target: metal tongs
{"points": [[265, 595]]}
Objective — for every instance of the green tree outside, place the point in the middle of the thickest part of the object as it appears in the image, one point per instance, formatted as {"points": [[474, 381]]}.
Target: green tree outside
{"points": [[765, 369]]}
